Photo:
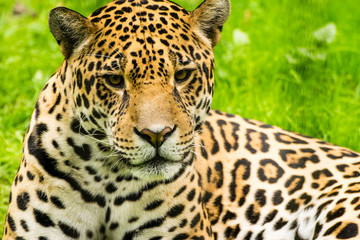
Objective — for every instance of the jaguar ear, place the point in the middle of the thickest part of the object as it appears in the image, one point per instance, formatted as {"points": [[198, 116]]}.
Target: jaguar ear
{"points": [[209, 17], [69, 28]]}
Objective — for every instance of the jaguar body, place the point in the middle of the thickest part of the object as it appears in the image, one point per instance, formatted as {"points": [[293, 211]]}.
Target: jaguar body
{"points": [[123, 143]]}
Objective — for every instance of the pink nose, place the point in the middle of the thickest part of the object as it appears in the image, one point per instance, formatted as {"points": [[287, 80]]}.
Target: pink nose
{"points": [[156, 139]]}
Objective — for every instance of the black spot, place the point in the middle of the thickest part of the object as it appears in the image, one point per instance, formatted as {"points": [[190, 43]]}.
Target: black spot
{"points": [[85, 100], [24, 225], [102, 229], [152, 7], [100, 44], [84, 152], [134, 196], [91, 65], [90, 170], [181, 236], [292, 206], [232, 232], [350, 231], [191, 195], [153, 205], [126, 47], [119, 200], [279, 224], [43, 219], [219, 170], [277, 198], [108, 213], [126, 9], [260, 236], [195, 220], [175, 210], [69, 231], [133, 219], [42, 196], [89, 84], [89, 234], [270, 216], [110, 9], [228, 216], [166, 43], [124, 37], [97, 12], [181, 190], [248, 235], [58, 98], [41, 128], [58, 116], [251, 215], [332, 229], [79, 78], [57, 202], [37, 110], [30, 175], [110, 188], [260, 197], [114, 225], [108, 32], [152, 223], [206, 197], [11, 223], [332, 215], [318, 228], [186, 38], [156, 238], [150, 40], [174, 15], [23, 201], [355, 200]]}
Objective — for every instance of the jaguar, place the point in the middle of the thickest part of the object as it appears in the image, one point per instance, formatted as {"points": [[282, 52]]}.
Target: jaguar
{"points": [[123, 144]]}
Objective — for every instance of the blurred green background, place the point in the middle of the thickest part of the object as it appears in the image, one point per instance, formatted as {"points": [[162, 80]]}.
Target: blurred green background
{"points": [[290, 63]]}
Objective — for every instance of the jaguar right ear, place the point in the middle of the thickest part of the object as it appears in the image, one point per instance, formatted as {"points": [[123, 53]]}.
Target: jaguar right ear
{"points": [[69, 28], [209, 18]]}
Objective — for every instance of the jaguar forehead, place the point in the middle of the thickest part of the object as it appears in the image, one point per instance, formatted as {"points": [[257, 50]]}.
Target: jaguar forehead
{"points": [[133, 16], [128, 28]]}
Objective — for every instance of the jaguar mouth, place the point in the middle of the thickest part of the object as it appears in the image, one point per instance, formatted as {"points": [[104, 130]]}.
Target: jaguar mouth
{"points": [[156, 161], [159, 168]]}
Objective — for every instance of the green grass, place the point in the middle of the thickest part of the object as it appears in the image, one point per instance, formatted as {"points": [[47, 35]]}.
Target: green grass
{"points": [[270, 77], [316, 97]]}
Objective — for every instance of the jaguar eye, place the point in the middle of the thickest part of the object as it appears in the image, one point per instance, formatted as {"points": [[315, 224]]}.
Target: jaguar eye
{"points": [[183, 75], [115, 80]]}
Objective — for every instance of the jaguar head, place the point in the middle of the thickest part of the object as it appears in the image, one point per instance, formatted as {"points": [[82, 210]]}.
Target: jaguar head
{"points": [[142, 72]]}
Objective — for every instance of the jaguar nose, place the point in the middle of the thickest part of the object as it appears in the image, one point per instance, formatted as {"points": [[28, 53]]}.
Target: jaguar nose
{"points": [[155, 138]]}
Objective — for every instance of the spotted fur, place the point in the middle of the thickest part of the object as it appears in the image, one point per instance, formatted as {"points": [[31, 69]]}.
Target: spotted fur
{"points": [[122, 143]]}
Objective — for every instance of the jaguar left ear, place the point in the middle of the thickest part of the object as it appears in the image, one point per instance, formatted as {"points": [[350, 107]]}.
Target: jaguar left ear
{"points": [[209, 18], [69, 28]]}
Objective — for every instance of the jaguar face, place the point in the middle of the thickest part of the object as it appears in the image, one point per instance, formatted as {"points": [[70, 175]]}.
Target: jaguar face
{"points": [[142, 72]]}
